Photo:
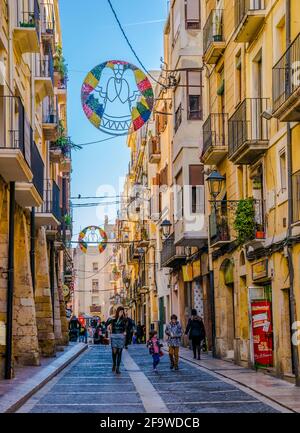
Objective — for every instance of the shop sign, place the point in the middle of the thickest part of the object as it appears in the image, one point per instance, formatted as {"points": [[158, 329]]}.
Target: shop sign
{"points": [[262, 333], [196, 269], [260, 270], [187, 272]]}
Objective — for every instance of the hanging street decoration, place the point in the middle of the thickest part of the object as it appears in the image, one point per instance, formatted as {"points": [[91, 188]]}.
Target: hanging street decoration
{"points": [[117, 97], [92, 235]]}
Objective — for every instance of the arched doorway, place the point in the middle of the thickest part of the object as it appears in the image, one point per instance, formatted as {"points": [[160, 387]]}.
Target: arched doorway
{"points": [[227, 275]]}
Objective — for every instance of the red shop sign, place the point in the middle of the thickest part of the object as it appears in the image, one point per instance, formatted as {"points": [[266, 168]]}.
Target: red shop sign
{"points": [[261, 314]]}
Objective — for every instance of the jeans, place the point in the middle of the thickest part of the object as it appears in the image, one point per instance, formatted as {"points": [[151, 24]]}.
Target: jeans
{"points": [[156, 359], [174, 355]]}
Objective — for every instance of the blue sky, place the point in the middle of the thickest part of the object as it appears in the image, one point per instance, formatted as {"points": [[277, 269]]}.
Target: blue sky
{"points": [[91, 36]]}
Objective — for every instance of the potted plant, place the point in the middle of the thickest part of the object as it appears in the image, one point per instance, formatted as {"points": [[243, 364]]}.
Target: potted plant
{"points": [[244, 222], [259, 232], [60, 65]]}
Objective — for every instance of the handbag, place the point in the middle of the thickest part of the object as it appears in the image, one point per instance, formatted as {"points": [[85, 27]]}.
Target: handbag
{"points": [[161, 353]]}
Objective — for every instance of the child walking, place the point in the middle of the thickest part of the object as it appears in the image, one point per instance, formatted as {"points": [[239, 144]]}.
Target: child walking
{"points": [[154, 346]]}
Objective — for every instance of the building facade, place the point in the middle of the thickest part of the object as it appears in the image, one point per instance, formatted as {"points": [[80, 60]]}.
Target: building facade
{"points": [[250, 137], [35, 168]]}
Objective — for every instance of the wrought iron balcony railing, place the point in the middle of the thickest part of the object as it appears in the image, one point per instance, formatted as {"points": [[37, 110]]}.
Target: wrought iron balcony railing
{"points": [[37, 168], [51, 204], [286, 75], [171, 255], [28, 19], [243, 7], [247, 128], [47, 19], [222, 222], [213, 28], [44, 67], [215, 132]]}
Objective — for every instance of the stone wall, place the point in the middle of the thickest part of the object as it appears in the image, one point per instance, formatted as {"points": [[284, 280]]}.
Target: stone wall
{"points": [[43, 301], [3, 267]]}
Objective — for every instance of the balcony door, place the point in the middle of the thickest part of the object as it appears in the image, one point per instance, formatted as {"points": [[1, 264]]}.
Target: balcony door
{"points": [[256, 106]]}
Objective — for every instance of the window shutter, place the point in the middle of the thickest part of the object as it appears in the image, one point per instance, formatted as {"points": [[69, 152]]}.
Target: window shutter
{"points": [[193, 10], [196, 175]]}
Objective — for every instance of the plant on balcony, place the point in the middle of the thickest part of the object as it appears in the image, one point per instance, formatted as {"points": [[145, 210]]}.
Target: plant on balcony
{"points": [[244, 222], [217, 30], [30, 23], [60, 65], [144, 234]]}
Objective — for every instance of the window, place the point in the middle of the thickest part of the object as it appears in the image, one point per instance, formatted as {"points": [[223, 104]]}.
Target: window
{"points": [[176, 20], [192, 14], [95, 267], [95, 300], [283, 170], [296, 196], [95, 286], [179, 196], [194, 95], [238, 78], [196, 173]]}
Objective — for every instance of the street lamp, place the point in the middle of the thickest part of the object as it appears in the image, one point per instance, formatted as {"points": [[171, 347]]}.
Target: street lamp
{"points": [[166, 228], [215, 182]]}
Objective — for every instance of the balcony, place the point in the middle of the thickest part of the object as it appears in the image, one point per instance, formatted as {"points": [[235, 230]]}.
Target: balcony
{"points": [[213, 39], [286, 85], [154, 149], [27, 27], [215, 139], [49, 213], [171, 255], [134, 253], [44, 77], [249, 18], [60, 84], [48, 24], [222, 228], [190, 224], [56, 153], [248, 134], [50, 122], [14, 141], [66, 162], [178, 117], [30, 194]]}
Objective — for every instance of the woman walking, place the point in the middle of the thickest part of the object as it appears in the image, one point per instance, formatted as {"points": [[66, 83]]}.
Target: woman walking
{"points": [[196, 331], [118, 335]]}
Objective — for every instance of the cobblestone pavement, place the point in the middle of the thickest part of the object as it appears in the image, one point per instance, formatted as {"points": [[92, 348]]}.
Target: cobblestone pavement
{"points": [[89, 386]]}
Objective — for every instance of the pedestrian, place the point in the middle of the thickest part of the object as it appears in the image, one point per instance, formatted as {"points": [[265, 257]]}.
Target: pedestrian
{"points": [[139, 333], [118, 334], [74, 327], [129, 330], [83, 334], [134, 338], [174, 333], [196, 331], [154, 346]]}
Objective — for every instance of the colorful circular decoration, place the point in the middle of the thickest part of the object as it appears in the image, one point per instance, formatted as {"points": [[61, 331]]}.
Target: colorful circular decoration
{"points": [[117, 97], [92, 235]]}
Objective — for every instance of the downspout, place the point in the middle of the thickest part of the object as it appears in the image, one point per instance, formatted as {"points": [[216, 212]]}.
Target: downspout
{"points": [[52, 278], [32, 247], [295, 354], [10, 284]]}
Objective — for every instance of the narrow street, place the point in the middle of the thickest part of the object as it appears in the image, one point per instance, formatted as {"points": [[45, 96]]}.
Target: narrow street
{"points": [[89, 386]]}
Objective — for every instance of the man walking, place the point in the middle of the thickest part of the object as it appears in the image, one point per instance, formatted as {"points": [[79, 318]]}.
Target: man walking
{"points": [[174, 333], [129, 331]]}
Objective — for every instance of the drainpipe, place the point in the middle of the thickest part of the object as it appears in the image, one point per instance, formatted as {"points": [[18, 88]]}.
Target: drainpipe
{"points": [[213, 312], [32, 247], [52, 278], [295, 355], [10, 283]]}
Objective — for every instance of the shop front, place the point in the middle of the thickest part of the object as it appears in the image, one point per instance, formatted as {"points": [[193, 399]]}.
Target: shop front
{"points": [[260, 310]]}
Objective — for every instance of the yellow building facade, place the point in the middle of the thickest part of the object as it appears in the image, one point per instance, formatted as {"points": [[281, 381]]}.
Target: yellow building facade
{"points": [[251, 50]]}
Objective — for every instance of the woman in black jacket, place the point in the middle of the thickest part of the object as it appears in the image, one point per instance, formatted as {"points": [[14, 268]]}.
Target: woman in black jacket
{"points": [[118, 326], [196, 331]]}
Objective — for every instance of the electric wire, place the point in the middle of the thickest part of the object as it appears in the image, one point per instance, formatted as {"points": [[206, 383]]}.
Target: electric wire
{"points": [[131, 47]]}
